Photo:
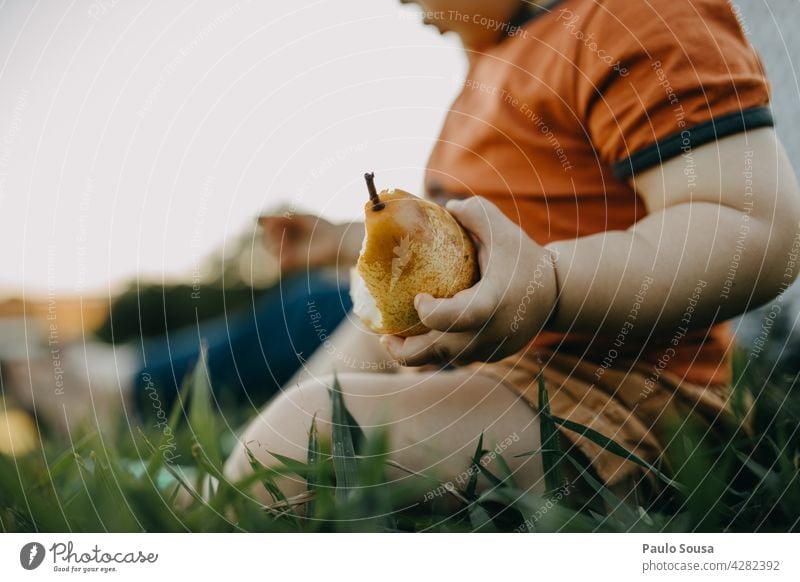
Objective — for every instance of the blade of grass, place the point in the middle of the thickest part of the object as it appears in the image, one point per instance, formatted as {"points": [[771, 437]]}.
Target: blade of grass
{"points": [[292, 466], [536, 452], [767, 477], [288, 504], [374, 499], [189, 489], [342, 447], [615, 448], [533, 510], [550, 445], [65, 461], [313, 461], [739, 387], [479, 518], [157, 458], [266, 480], [493, 479], [617, 508], [201, 413], [174, 495], [446, 486], [356, 433], [474, 471], [508, 474]]}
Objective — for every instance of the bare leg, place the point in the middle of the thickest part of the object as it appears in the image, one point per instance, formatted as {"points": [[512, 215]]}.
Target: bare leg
{"points": [[433, 422], [350, 348]]}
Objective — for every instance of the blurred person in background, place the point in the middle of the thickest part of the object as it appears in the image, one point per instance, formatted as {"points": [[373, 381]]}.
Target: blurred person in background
{"points": [[258, 321]]}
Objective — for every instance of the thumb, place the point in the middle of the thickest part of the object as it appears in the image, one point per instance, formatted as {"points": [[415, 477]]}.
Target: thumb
{"points": [[479, 216], [487, 224]]}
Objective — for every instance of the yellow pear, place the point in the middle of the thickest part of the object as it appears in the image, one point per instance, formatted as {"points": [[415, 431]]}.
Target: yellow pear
{"points": [[411, 246]]}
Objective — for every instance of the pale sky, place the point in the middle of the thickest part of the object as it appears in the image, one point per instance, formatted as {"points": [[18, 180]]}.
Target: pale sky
{"points": [[136, 136]]}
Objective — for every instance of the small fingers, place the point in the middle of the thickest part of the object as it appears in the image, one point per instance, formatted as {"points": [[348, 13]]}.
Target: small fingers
{"points": [[467, 310], [433, 347]]}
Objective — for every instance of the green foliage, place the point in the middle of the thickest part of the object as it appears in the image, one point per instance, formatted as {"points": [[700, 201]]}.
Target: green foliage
{"points": [[345, 464], [749, 482], [551, 448]]}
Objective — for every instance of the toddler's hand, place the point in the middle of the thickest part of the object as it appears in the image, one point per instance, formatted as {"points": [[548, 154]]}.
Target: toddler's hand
{"points": [[499, 315]]}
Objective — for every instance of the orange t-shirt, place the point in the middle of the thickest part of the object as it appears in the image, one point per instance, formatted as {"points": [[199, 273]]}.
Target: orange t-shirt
{"points": [[555, 119]]}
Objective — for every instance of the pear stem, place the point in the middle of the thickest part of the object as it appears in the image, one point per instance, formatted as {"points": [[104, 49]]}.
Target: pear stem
{"points": [[373, 192]]}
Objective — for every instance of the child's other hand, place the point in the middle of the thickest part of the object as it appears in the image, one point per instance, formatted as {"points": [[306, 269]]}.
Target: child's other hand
{"points": [[500, 314], [302, 241]]}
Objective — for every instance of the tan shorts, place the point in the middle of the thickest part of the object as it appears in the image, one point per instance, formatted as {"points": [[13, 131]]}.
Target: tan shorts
{"points": [[633, 404]]}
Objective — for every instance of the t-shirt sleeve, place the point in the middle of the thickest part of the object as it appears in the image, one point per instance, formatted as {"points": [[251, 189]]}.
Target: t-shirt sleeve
{"points": [[659, 78]]}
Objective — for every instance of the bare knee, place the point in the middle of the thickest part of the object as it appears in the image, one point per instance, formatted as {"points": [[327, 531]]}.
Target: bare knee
{"points": [[282, 427], [433, 423]]}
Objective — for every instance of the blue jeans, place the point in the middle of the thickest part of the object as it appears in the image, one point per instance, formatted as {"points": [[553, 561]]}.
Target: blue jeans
{"points": [[251, 353]]}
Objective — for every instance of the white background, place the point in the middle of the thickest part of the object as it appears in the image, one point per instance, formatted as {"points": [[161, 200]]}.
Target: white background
{"points": [[405, 557], [136, 136]]}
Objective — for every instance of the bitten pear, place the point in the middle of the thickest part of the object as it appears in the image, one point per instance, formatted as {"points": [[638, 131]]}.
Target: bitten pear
{"points": [[411, 246]]}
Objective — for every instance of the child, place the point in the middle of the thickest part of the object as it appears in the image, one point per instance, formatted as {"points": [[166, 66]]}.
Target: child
{"points": [[617, 165]]}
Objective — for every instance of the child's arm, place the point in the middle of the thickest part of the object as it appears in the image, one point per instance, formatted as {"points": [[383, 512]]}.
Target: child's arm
{"points": [[721, 225], [717, 241]]}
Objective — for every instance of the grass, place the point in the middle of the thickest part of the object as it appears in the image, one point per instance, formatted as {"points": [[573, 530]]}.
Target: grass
{"points": [[749, 484]]}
